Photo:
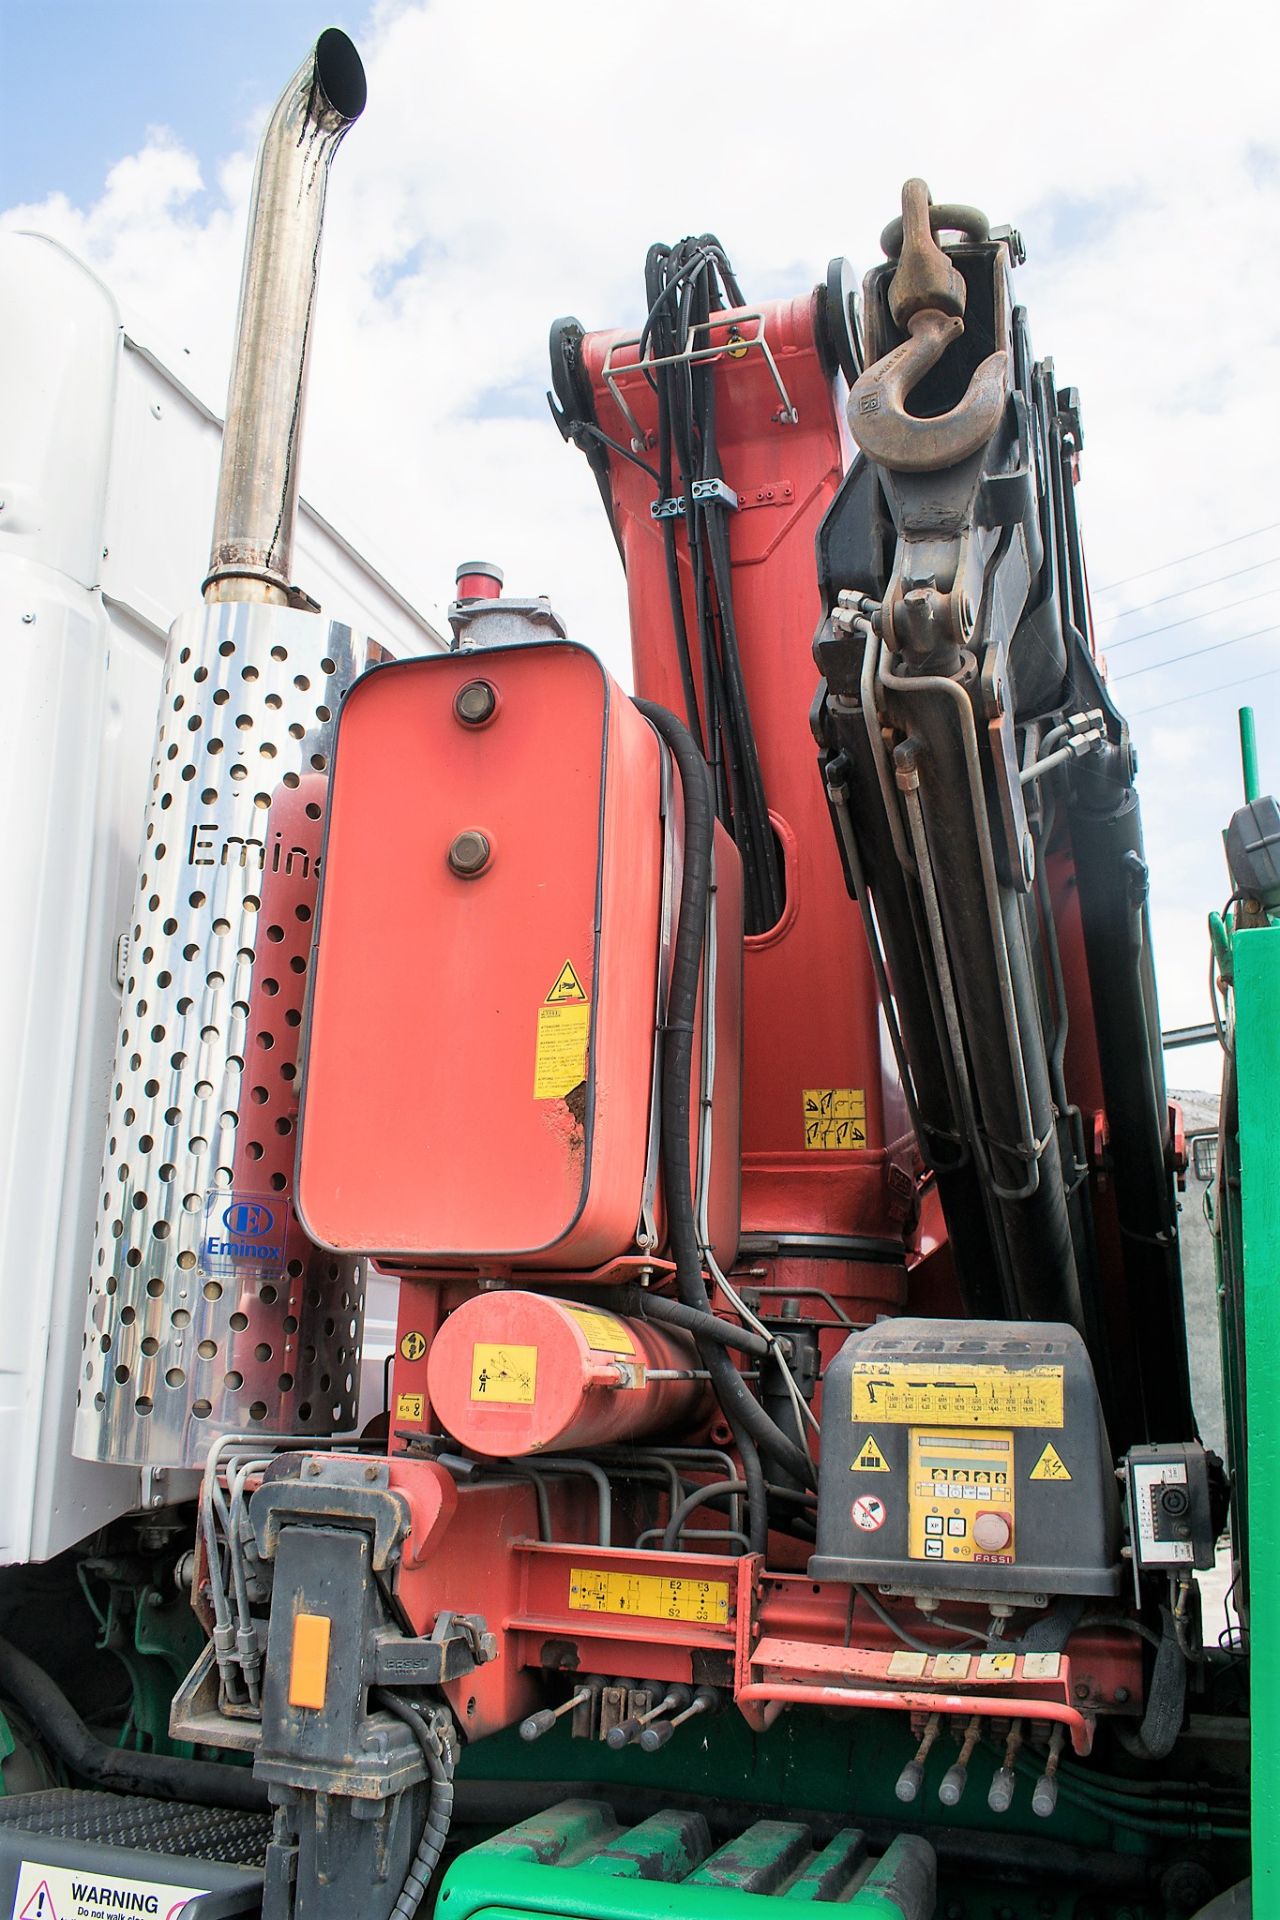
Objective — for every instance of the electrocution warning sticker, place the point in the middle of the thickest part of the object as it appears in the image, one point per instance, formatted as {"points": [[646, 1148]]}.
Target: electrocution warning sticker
{"points": [[506, 1376], [564, 1028], [65, 1893]]}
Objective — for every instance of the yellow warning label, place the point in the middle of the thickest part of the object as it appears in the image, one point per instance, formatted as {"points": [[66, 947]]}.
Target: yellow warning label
{"points": [[413, 1345], [901, 1396], [507, 1376], [603, 1332], [649, 1596], [868, 1458], [560, 1064], [567, 986], [410, 1406], [835, 1118], [1050, 1466]]}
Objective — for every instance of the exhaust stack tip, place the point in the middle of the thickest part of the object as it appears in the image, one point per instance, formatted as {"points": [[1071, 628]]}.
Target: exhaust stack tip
{"points": [[340, 74]]}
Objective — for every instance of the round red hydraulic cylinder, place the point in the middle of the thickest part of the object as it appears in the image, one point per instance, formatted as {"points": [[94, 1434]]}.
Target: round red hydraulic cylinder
{"points": [[513, 1373]]}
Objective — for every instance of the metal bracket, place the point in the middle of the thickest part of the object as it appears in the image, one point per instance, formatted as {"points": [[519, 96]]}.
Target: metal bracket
{"points": [[673, 506], [457, 1645]]}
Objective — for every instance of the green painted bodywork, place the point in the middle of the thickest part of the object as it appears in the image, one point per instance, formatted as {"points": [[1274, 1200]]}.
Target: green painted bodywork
{"points": [[575, 1859], [1256, 957]]}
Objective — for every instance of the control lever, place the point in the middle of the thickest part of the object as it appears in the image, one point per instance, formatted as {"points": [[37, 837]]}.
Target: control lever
{"points": [[705, 1700], [956, 1777], [1045, 1797], [542, 1722], [630, 1729], [1000, 1793], [911, 1779]]}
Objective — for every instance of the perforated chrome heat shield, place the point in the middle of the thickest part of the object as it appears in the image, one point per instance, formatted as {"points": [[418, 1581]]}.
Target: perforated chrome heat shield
{"points": [[209, 1309]]}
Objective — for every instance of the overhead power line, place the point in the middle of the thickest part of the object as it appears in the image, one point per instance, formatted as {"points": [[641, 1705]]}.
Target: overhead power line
{"points": [[1167, 626], [1177, 561], [1196, 652], [1205, 693], [1180, 593]]}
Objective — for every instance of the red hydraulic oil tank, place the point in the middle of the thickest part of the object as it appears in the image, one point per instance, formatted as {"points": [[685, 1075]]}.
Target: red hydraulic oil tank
{"points": [[513, 1373], [500, 880]]}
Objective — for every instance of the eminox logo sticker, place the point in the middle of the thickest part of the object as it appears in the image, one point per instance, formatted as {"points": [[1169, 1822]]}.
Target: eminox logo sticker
{"points": [[209, 847], [244, 1234]]}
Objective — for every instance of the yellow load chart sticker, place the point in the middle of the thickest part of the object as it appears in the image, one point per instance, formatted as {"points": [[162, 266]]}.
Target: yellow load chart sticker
{"points": [[564, 1028], [649, 1596], [507, 1376], [835, 1119], [897, 1395]]}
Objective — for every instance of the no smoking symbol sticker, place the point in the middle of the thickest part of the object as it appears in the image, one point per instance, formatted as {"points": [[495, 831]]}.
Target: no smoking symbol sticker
{"points": [[869, 1513]]}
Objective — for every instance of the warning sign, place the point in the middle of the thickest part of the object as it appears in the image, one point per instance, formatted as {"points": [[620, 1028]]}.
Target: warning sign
{"points": [[560, 1063], [413, 1345], [567, 986], [869, 1458], [603, 1333], [65, 1893], [835, 1118], [507, 1376], [1050, 1465], [869, 1513]]}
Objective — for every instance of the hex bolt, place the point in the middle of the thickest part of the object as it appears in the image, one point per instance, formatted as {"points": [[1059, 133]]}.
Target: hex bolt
{"points": [[1045, 1797], [1000, 1792], [475, 703], [911, 1779], [630, 1729], [955, 1779], [542, 1722], [470, 853]]}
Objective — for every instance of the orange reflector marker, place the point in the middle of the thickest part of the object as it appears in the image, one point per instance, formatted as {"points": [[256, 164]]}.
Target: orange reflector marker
{"points": [[309, 1667]]}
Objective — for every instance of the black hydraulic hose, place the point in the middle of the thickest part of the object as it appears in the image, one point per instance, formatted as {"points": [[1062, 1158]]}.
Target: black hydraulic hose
{"points": [[643, 1305], [740, 1406], [715, 1490], [435, 1828], [757, 1490], [41, 1701]]}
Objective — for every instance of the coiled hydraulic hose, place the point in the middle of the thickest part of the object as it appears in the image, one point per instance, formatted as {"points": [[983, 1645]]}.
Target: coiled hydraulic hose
{"points": [[435, 1828], [741, 1408]]}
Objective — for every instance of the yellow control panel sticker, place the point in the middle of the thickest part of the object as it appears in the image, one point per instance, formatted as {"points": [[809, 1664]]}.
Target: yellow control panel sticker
{"points": [[410, 1406], [603, 1333], [649, 1596], [835, 1118], [899, 1396], [507, 1376], [957, 1478]]}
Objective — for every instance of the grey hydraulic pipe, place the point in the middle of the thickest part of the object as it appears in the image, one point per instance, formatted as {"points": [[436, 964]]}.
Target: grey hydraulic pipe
{"points": [[253, 521]]}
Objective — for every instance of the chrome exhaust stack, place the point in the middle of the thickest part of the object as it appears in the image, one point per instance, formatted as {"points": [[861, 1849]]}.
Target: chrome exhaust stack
{"points": [[253, 521], [210, 1309]]}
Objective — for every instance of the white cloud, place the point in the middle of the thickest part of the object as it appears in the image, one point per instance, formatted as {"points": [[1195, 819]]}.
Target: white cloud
{"points": [[513, 165]]}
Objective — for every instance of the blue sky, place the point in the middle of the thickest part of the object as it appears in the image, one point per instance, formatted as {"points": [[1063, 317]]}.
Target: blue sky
{"points": [[202, 67]]}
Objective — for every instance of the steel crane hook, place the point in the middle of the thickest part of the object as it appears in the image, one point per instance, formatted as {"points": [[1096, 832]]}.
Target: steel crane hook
{"points": [[927, 295]]}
